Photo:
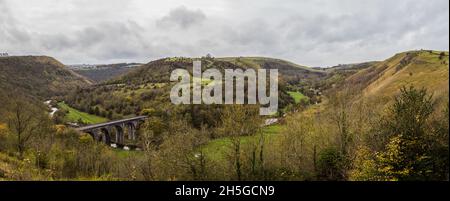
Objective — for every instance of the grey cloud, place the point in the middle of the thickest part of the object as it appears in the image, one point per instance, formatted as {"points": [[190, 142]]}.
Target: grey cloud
{"points": [[90, 36], [115, 40], [181, 17], [8, 29], [56, 42], [312, 32]]}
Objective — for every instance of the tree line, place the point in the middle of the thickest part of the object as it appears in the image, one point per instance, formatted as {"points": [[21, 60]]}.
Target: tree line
{"points": [[344, 140]]}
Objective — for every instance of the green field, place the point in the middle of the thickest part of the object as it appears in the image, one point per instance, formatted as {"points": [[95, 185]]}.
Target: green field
{"points": [[217, 149], [298, 97], [74, 115], [125, 154]]}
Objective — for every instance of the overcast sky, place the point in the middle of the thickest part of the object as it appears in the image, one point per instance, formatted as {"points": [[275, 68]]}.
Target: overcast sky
{"points": [[308, 32]]}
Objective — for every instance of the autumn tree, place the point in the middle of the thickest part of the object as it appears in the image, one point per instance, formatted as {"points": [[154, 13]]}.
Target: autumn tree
{"points": [[298, 147], [416, 147], [239, 121]]}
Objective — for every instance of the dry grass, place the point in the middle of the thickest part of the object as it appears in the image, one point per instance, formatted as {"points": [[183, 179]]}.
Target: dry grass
{"points": [[418, 69]]}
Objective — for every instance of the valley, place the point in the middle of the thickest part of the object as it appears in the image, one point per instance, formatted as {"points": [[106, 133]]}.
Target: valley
{"points": [[103, 72], [340, 123]]}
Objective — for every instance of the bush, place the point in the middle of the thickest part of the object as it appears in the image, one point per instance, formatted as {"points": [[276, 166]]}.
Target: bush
{"points": [[416, 148], [442, 55], [331, 165]]}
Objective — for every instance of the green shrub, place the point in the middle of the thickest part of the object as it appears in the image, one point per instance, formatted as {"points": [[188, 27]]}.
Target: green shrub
{"points": [[331, 165]]}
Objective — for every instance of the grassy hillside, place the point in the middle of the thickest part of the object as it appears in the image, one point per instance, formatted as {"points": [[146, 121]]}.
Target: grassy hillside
{"points": [[298, 97], [259, 62], [12, 168], [218, 149], [74, 115], [38, 76], [428, 69]]}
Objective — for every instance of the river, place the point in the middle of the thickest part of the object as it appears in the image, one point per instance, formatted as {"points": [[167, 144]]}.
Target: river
{"points": [[53, 109]]}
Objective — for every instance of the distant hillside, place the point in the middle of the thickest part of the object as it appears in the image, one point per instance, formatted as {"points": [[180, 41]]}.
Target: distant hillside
{"points": [[100, 73], [159, 70], [286, 68], [37, 76], [351, 67], [338, 74], [428, 69]]}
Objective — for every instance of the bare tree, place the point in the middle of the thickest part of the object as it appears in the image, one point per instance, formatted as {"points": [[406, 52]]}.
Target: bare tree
{"points": [[24, 121]]}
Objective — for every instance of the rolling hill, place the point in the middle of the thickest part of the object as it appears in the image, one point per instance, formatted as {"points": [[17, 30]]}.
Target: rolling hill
{"points": [[146, 88], [100, 73], [38, 76], [288, 70], [159, 70]]}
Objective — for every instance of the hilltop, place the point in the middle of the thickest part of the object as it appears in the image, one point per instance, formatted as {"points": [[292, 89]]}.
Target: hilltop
{"points": [[290, 71], [269, 63], [38, 76]]}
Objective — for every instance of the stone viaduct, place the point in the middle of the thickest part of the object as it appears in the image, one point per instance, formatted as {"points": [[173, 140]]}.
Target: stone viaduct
{"points": [[115, 132]]}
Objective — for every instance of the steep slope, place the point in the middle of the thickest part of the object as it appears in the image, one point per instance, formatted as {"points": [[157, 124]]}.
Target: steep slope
{"points": [[428, 69], [37, 76]]}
